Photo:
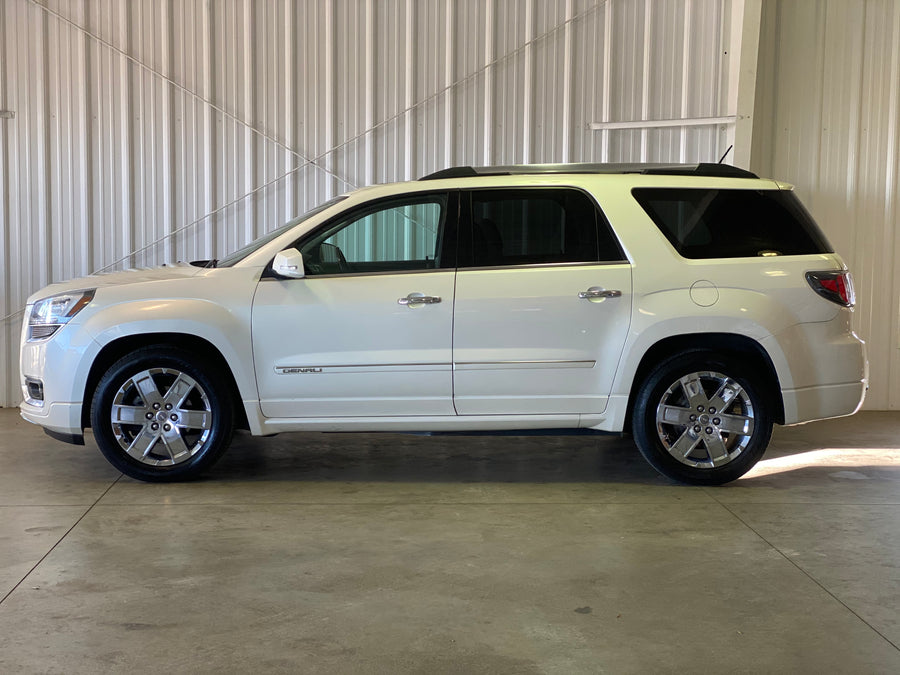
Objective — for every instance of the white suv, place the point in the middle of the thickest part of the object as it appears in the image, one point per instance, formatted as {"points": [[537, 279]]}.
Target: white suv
{"points": [[694, 305]]}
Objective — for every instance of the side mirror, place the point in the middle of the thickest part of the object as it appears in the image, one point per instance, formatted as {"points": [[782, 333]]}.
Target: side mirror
{"points": [[289, 263]]}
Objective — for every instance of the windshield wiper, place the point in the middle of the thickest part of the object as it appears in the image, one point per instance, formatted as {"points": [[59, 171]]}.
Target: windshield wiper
{"points": [[205, 264]]}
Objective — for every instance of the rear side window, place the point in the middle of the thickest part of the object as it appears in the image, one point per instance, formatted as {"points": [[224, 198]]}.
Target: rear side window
{"points": [[708, 223], [535, 226]]}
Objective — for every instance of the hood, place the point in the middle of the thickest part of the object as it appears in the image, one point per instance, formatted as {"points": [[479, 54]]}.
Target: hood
{"points": [[132, 276]]}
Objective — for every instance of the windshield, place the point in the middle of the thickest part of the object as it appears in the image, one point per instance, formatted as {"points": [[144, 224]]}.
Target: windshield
{"points": [[257, 244]]}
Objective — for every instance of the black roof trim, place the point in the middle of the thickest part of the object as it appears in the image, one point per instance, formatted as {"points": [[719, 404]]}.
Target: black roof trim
{"points": [[456, 172], [713, 170]]}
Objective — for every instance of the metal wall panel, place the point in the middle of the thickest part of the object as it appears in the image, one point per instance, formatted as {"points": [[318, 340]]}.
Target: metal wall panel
{"points": [[828, 120], [148, 131]]}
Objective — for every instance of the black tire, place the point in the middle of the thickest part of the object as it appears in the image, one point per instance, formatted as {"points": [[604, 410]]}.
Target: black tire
{"points": [[162, 414], [680, 427]]}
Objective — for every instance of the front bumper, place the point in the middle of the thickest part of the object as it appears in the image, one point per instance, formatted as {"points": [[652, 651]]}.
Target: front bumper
{"points": [[61, 421], [61, 365]]}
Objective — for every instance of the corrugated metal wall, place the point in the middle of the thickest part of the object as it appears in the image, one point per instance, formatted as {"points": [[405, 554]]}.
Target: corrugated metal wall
{"points": [[828, 120], [149, 131]]}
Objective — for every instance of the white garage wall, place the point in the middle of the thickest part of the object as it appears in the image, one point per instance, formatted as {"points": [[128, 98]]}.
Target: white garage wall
{"points": [[160, 130], [828, 120]]}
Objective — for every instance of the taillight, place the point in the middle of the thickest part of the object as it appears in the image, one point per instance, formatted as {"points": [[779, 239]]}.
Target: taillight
{"points": [[834, 286]]}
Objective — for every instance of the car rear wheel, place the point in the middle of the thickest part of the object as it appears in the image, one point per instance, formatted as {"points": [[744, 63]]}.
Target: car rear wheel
{"points": [[159, 414], [702, 418]]}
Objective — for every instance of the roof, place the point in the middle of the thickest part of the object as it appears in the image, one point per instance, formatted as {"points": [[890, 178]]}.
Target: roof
{"points": [[720, 170]]}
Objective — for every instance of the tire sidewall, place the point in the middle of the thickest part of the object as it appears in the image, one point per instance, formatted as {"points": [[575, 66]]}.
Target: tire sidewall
{"points": [[658, 382], [206, 376]]}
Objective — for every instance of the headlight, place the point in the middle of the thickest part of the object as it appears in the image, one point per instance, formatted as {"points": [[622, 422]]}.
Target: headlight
{"points": [[50, 314]]}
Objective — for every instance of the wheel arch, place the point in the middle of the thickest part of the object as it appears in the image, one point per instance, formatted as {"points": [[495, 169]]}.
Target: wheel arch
{"points": [[113, 351], [726, 344]]}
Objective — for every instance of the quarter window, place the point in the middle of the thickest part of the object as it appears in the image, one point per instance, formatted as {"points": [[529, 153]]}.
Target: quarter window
{"points": [[707, 223], [393, 237]]}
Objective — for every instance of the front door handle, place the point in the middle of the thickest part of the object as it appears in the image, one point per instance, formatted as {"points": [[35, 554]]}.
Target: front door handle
{"points": [[598, 292], [419, 299]]}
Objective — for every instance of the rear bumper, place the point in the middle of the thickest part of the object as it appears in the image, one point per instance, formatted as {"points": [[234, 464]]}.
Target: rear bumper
{"points": [[824, 370], [823, 402]]}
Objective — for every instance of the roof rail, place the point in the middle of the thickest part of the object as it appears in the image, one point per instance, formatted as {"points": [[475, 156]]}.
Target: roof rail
{"points": [[713, 170]]}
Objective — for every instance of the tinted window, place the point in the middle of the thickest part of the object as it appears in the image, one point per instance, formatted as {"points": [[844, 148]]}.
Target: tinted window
{"points": [[535, 226], [397, 236], [705, 223]]}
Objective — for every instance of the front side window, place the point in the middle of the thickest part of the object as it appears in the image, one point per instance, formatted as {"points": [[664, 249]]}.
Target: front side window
{"points": [[397, 236], [534, 227]]}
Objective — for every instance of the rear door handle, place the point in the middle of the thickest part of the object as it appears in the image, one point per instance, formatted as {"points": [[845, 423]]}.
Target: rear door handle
{"points": [[419, 299], [598, 292]]}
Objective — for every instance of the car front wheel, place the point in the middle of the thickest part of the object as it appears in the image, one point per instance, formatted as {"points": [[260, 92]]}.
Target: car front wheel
{"points": [[701, 418], [159, 414]]}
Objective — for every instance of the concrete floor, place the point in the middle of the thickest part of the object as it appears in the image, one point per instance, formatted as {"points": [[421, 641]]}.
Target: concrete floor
{"points": [[399, 554]]}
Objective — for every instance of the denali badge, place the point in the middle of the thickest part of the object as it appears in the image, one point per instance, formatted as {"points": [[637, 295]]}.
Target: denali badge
{"points": [[293, 370]]}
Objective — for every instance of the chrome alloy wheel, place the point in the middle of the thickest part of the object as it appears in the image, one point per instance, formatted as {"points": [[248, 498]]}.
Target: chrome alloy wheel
{"points": [[705, 419], [161, 417]]}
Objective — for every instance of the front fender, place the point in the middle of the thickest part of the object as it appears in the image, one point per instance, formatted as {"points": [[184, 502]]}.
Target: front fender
{"points": [[227, 329]]}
